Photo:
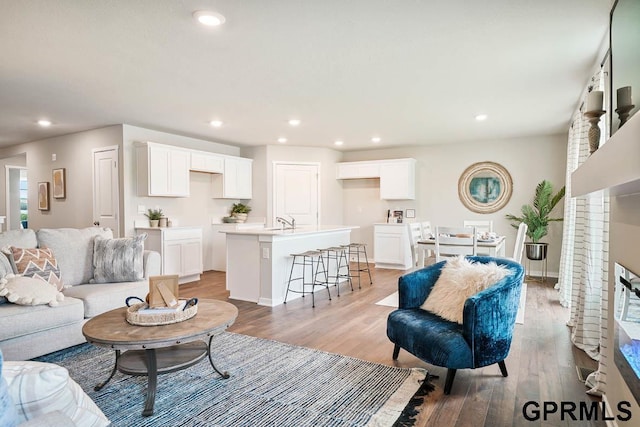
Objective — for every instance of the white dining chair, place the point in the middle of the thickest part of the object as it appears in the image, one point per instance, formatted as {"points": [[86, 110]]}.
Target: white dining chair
{"points": [[415, 234], [481, 226], [426, 256], [518, 248], [455, 241]]}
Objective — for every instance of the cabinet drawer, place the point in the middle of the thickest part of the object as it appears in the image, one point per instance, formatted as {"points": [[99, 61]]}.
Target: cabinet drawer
{"points": [[181, 234]]}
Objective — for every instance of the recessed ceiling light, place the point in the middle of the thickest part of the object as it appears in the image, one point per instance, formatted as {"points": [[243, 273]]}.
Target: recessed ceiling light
{"points": [[481, 117], [211, 19], [282, 140], [294, 122], [216, 123], [339, 142], [44, 123], [376, 139]]}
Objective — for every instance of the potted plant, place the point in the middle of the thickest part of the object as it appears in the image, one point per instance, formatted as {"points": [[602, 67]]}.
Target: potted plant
{"points": [[154, 216], [240, 211], [537, 217]]}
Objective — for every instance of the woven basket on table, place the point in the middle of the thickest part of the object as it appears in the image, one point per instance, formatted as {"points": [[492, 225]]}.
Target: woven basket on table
{"points": [[136, 318]]}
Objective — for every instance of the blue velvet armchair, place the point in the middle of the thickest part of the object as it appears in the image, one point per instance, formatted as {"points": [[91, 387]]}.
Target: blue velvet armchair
{"points": [[484, 337]]}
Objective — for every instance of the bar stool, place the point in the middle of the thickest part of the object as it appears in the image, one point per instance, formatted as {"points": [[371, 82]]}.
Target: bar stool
{"points": [[315, 260], [358, 249], [339, 255]]}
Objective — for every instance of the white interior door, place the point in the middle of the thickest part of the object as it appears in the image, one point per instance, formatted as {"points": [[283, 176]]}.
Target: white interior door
{"points": [[106, 189], [296, 192]]}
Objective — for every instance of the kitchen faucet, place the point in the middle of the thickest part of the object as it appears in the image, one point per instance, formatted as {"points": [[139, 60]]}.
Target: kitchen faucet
{"points": [[285, 222]]}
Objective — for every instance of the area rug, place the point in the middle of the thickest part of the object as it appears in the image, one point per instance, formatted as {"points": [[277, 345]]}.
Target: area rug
{"points": [[271, 384], [392, 301]]}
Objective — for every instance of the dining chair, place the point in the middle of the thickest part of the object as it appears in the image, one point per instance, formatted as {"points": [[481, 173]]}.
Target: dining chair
{"points": [[426, 256], [519, 246], [415, 234], [481, 226], [455, 241]]}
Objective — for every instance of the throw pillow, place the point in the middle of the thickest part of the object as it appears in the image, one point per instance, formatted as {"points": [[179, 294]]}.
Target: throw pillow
{"points": [[29, 291], [39, 263], [8, 414], [460, 279], [39, 388], [118, 260]]}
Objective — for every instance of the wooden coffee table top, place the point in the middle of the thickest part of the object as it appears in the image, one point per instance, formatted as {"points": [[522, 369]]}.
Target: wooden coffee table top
{"points": [[112, 330]]}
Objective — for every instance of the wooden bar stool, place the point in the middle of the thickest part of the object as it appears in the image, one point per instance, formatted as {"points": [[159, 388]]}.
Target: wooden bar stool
{"points": [[339, 255], [315, 261], [358, 249]]}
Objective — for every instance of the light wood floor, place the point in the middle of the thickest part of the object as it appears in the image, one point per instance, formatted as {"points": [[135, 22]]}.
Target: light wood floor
{"points": [[542, 362]]}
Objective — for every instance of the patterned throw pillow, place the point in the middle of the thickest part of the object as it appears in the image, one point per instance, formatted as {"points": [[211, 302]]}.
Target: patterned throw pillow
{"points": [[118, 260], [39, 263]]}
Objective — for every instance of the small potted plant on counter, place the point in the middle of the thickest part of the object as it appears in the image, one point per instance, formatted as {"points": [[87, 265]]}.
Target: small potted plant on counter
{"points": [[537, 218], [240, 211], [154, 216]]}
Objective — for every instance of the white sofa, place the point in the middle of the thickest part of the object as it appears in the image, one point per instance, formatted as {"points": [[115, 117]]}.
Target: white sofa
{"points": [[31, 331]]}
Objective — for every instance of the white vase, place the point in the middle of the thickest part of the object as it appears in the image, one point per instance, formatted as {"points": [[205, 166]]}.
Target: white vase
{"points": [[153, 222]]}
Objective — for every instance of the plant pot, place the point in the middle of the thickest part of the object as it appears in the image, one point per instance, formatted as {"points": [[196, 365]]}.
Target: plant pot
{"points": [[162, 222], [536, 251], [154, 222], [240, 217]]}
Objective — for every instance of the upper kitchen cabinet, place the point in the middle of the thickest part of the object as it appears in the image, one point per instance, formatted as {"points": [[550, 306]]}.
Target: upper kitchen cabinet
{"points": [[351, 170], [206, 162], [163, 170], [397, 176], [398, 179], [235, 180]]}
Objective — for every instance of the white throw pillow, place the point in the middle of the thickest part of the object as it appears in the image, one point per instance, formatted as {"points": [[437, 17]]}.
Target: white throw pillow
{"points": [[39, 388], [460, 279], [29, 291]]}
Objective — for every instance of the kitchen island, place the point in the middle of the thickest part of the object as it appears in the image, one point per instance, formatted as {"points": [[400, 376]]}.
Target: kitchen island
{"points": [[259, 260]]}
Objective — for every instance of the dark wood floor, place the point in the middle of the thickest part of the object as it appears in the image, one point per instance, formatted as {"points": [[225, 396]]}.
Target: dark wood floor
{"points": [[542, 362]]}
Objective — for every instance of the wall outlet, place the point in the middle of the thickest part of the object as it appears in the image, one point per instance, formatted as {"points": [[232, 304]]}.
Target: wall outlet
{"points": [[53, 157], [141, 209], [265, 253]]}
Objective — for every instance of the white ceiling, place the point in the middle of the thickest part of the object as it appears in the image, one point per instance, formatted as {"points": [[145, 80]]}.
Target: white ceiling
{"points": [[413, 72]]}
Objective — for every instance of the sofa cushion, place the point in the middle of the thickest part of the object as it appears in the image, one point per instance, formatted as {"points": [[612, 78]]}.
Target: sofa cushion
{"points": [[21, 320], [74, 250], [29, 291], [39, 263], [38, 388], [8, 414], [20, 238], [101, 297], [460, 279], [118, 260]]}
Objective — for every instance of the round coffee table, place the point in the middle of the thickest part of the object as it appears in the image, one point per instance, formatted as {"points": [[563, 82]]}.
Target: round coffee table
{"points": [[153, 350]]}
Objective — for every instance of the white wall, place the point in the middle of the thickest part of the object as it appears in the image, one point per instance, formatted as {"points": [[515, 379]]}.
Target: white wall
{"points": [[74, 153], [438, 168]]}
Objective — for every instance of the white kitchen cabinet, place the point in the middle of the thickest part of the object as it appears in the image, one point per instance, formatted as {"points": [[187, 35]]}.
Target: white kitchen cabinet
{"points": [[206, 162], [351, 170], [180, 250], [162, 170], [397, 176], [235, 181], [398, 179], [392, 246]]}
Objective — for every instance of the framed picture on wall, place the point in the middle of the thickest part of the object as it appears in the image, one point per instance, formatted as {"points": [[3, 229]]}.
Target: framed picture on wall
{"points": [[43, 196], [59, 184], [411, 213]]}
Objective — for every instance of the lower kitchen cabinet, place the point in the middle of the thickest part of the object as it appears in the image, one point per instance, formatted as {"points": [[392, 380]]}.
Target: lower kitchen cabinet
{"points": [[392, 246], [180, 250]]}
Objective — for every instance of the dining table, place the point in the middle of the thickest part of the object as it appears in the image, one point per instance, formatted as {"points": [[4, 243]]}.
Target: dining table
{"points": [[492, 247]]}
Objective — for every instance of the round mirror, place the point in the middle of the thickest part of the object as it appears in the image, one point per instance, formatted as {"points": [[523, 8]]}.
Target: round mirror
{"points": [[485, 187]]}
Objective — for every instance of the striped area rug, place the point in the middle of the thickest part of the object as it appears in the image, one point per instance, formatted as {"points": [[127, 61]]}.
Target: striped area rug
{"points": [[271, 384]]}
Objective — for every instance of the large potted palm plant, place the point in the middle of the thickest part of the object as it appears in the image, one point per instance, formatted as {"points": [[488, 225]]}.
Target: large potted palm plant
{"points": [[537, 217]]}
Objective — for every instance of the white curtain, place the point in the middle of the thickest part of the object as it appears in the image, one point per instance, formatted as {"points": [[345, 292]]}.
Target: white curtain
{"points": [[582, 282]]}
